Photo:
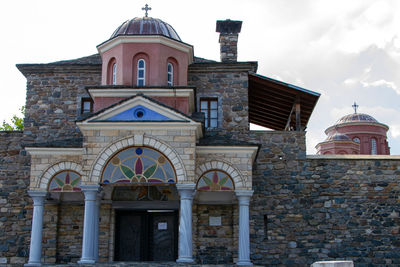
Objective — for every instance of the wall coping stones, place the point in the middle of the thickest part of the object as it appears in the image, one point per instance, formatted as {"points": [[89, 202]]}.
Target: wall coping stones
{"points": [[385, 157]]}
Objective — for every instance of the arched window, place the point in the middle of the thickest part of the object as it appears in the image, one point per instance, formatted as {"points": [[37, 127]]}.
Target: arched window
{"points": [[141, 72], [139, 165], [65, 181], [170, 71], [373, 147], [356, 139], [114, 74], [215, 180]]}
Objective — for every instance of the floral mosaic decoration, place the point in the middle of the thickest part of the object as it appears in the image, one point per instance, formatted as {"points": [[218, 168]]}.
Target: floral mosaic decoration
{"points": [[139, 165], [215, 180], [65, 181]]}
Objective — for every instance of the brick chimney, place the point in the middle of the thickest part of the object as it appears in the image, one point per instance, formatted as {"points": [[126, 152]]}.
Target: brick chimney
{"points": [[228, 38]]}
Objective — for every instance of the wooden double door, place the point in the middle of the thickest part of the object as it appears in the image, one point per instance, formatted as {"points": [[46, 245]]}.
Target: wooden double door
{"points": [[149, 235]]}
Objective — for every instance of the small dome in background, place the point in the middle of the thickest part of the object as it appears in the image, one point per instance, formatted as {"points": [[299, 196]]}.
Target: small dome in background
{"points": [[146, 26], [338, 137], [356, 117]]}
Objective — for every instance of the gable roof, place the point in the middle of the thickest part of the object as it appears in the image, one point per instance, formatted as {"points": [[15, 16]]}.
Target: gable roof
{"points": [[273, 103]]}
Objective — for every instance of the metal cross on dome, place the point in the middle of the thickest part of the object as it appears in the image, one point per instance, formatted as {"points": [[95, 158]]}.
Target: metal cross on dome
{"points": [[146, 8], [355, 106]]}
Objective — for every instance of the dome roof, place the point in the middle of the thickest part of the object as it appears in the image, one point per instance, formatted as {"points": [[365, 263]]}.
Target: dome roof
{"points": [[146, 26], [356, 117], [338, 137]]}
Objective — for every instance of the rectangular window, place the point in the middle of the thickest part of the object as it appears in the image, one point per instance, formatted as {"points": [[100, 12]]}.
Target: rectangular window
{"points": [[209, 106], [87, 105]]}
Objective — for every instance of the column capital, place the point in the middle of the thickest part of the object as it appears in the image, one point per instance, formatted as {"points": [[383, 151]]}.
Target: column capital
{"points": [[186, 191], [37, 196], [36, 193], [90, 187], [244, 196]]}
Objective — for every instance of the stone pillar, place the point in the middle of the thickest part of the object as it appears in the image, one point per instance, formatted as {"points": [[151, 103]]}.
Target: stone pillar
{"points": [[186, 193], [244, 232], [89, 224], [35, 249]]}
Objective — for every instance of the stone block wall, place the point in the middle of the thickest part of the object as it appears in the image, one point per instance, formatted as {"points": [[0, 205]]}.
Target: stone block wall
{"points": [[229, 84], [69, 232], [15, 204], [54, 95], [305, 210], [214, 244]]}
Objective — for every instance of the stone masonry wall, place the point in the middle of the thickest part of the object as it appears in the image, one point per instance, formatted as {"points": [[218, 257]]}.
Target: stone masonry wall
{"points": [[15, 204], [214, 244], [69, 232], [53, 100], [305, 210], [228, 83]]}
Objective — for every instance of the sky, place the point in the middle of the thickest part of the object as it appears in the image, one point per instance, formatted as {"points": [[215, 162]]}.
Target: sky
{"points": [[348, 51]]}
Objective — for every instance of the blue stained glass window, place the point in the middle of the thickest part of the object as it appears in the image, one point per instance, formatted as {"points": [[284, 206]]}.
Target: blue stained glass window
{"points": [[139, 165], [215, 180], [65, 181]]}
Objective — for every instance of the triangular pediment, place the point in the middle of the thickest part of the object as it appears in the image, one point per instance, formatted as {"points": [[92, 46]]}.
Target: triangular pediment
{"points": [[139, 109]]}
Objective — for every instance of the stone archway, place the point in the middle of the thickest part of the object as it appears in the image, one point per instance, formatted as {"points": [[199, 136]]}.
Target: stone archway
{"points": [[137, 140], [232, 171], [47, 174]]}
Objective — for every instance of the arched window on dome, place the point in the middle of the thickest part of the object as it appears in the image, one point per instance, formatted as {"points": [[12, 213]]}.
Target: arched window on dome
{"points": [[374, 150], [141, 72], [170, 74], [356, 139], [114, 74]]}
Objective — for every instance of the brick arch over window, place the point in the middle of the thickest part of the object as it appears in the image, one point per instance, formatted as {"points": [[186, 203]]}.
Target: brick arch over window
{"points": [[47, 174], [137, 140], [232, 171]]}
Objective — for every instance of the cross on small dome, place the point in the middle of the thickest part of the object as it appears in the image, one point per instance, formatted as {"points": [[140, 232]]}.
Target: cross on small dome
{"points": [[355, 106], [146, 8]]}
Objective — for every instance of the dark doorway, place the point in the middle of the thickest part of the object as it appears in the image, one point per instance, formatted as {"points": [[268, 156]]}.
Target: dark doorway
{"points": [[150, 235]]}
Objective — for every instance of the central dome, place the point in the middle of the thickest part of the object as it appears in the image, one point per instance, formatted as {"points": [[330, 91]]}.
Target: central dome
{"points": [[356, 117], [146, 26]]}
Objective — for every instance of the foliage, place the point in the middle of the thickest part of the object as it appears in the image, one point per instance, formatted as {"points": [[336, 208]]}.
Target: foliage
{"points": [[17, 123]]}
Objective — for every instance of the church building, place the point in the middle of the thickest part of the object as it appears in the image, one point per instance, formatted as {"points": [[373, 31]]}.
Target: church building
{"points": [[354, 134], [143, 152]]}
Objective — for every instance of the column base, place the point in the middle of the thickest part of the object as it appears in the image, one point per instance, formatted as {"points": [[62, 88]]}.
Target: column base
{"points": [[33, 264], [185, 260], [86, 262], [244, 263]]}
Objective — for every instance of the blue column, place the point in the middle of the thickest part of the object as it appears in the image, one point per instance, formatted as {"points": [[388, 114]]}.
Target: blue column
{"points": [[96, 226], [243, 197], [89, 224], [186, 193], [35, 249]]}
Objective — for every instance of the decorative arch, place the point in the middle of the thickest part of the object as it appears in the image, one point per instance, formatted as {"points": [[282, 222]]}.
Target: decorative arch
{"points": [[49, 173], [137, 140], [233, 172], [215, 180], [65, 181], [135, 61]]}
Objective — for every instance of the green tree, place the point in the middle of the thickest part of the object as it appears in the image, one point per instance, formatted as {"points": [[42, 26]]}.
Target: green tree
{"points": [[17, 123]]}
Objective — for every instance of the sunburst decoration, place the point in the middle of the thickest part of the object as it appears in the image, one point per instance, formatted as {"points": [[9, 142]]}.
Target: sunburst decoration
{"points": [[139, 165], [65, 181], [215, 180]]}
